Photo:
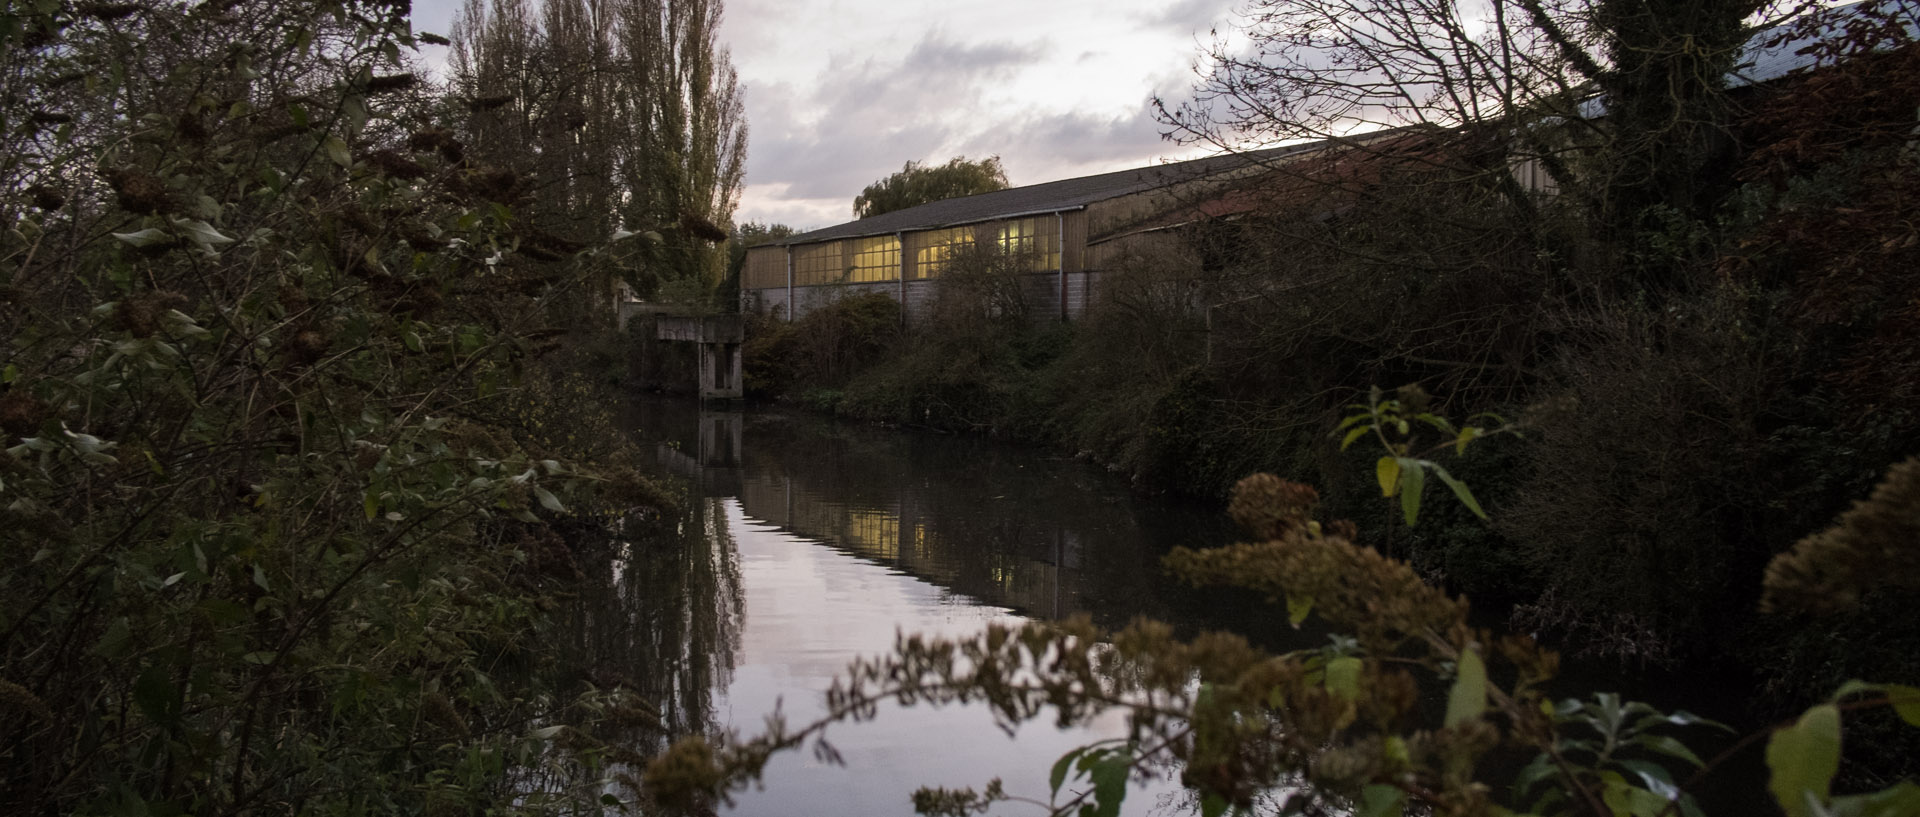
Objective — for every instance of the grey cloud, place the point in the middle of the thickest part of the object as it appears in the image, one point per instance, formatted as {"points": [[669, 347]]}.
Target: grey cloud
{"points": [[1191, 16], [1072, 138], [870, 116]]}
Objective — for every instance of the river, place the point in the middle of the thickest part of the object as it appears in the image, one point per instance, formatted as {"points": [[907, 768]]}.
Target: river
{"points": [[809, 543]]}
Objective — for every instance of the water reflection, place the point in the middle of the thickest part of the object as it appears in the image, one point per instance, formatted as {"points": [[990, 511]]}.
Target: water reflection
{"points": [[831, 538], [660, 613]]}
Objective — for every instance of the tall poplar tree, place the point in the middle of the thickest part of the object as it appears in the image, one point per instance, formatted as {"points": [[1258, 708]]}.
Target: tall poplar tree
{"points": [[626, 115]]}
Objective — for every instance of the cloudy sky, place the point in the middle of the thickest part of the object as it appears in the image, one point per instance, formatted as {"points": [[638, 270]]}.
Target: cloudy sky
{"points": [[840, 93]]}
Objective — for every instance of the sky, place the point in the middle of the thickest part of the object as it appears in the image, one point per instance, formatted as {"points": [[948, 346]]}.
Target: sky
{"points": [[840, 93]]}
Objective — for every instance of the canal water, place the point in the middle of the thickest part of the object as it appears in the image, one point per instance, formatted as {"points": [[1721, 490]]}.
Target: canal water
{"points": [[810, 543]]}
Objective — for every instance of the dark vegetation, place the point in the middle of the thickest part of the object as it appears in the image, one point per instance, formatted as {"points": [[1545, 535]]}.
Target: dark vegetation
{"points": [[300, 462], [1707, 336]]}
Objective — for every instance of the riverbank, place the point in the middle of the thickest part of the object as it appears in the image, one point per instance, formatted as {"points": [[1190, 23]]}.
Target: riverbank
{"points": [[1563, 494]]}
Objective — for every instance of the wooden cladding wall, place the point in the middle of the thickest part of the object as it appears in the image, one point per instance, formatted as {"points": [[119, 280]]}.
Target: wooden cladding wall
{"points": [[766, 268]]}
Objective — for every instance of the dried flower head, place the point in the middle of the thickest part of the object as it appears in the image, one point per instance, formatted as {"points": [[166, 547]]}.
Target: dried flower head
{"points": [[1874, 544], [1269, 507], [140, 315], [390, 83], [46, 198], [139, 191]]}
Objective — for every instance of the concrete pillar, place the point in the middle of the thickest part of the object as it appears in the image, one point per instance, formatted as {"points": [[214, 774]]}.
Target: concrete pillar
{"points": [[720, 371]]}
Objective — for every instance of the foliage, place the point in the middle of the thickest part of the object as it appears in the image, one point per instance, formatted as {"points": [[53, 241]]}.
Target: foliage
{"points": [[280, 518], [1706, 379], [628, 116], [1523, 82], [823, 348], [918, 184], [1400, 472], [1865, 550], [1336, 728], [748, 235]]}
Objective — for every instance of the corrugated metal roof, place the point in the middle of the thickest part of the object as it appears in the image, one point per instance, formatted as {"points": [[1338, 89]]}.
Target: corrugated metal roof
{"points": [[1066, 194], [1760, 63]]}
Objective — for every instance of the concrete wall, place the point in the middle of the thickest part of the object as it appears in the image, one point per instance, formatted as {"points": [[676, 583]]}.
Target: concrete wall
{"points": [[1039, 290]]}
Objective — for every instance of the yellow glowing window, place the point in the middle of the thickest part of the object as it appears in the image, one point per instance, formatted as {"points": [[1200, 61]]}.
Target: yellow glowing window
{"points": [[819, 264], [1036, 239], [876, 259], [937, 248]]}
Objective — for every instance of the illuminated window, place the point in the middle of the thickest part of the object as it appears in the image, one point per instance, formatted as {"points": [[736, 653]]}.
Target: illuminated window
{"points": [[1037, 239], [937, 247], [876, 259], [818, 264]]}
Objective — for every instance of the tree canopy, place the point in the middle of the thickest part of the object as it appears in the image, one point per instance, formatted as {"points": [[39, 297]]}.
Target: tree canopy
{"points": [[627, 115], [918, 184]]}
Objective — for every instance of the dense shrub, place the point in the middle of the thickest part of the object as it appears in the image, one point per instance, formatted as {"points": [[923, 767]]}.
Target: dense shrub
{"points": [[284, 474]]}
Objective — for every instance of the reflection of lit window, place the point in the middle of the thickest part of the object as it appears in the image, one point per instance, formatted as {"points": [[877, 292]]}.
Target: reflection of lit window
{"points": [[876, 533]]}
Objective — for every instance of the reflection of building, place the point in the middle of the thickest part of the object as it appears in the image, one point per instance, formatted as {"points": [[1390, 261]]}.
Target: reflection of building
{"points": [[1032, 570], [713, 459]]}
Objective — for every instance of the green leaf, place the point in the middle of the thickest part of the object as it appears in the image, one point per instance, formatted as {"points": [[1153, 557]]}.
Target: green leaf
{"points": [[1468, 699], [548, 500], [1906, 701], [337, 151], [115, 643], [204, 234], [1343, 677], [1413, 480], [1387, 470], [1058, 776], [1459, 490], [1109, 775], [1299, 605], [1854, 687], [1670, 746], [156, 695], [1803, 758], [1541, 767], [1467, 435], [1655, 777], [546, 732], [1624, 798], [412, 341], [1381, 800], [353, 108], [1901, 799], [1212, 805], [152, 236], [1354, 434]]}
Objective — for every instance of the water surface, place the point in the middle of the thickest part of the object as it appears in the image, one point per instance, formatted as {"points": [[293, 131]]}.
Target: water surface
{"points": [[840, 537]]}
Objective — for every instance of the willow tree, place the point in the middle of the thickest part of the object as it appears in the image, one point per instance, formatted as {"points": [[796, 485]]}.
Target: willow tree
{"points": [[627, 114], [918, 184]]}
